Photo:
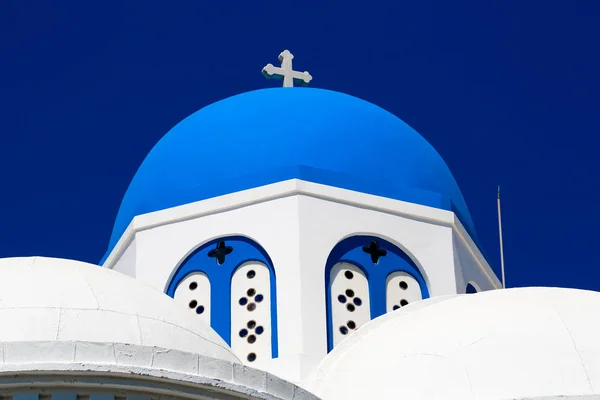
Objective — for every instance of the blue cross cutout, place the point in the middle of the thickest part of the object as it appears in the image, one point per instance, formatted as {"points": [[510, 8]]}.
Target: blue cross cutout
{"points": [[374, 251], [220, 252]]}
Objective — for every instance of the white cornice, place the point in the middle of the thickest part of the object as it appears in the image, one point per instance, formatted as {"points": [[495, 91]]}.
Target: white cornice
{"points": [[294, 187], [133, 369]]}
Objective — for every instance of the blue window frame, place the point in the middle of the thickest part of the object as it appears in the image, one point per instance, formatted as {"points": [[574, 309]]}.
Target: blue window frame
{"points": [[219, 259], [377, 258]]}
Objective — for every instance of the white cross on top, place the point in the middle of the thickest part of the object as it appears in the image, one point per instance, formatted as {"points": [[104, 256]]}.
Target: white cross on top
{"points": [[285, 71]]}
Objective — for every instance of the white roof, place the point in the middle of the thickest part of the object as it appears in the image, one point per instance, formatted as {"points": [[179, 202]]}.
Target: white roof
{"points": [[501, 344], [49, 300]]}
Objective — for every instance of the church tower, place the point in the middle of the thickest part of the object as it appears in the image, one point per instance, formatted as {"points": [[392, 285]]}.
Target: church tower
{"points": [[287, 218]]}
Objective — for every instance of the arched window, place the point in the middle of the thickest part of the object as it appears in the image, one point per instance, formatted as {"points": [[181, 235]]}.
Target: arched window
{"points": [[233, 279], [378, 275]]}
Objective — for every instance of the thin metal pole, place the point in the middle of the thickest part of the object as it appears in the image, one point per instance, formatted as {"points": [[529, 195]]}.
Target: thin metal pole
{"points": [[501, 246]]}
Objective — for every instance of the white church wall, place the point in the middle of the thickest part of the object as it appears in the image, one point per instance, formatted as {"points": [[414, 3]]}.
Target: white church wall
{"points": [[470, 264], [298, 224], [272, 224], [127, 263], [325, 222], [460, 279]]}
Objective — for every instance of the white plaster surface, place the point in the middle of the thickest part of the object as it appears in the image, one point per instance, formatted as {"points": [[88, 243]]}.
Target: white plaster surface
{"points": [[57, 300], [501, 344], [194, 292], [468, 263], [346, 315], [251, 315], [401, 289], [159, 372], [298, 223]]}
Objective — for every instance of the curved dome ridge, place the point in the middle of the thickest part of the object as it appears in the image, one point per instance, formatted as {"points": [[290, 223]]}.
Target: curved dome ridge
{"points": [[270, 135], [481, 346], [371, 327], [50, 299]]}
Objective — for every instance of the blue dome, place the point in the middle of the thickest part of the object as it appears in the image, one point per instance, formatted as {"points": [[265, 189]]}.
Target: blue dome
{"points": [[270, 135]]}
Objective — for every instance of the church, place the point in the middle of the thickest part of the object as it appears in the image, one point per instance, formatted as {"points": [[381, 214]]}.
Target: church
{"points": [[291, 243]]}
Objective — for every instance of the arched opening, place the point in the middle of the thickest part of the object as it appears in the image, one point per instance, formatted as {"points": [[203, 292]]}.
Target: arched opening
{"points": [[380, 265], [471, 289], [219, 261]]}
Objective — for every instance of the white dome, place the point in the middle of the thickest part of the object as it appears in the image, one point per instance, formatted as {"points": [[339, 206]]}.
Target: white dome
{"points": [[502, 344], [50, 300]]}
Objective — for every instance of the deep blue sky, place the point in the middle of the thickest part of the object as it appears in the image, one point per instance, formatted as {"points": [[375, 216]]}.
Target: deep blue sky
{"points": [[506, 91]]}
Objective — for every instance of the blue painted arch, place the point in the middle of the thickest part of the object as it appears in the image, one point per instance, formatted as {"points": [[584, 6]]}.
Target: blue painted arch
{"points": [[270, 135], [350, 250], [244, 250]]}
